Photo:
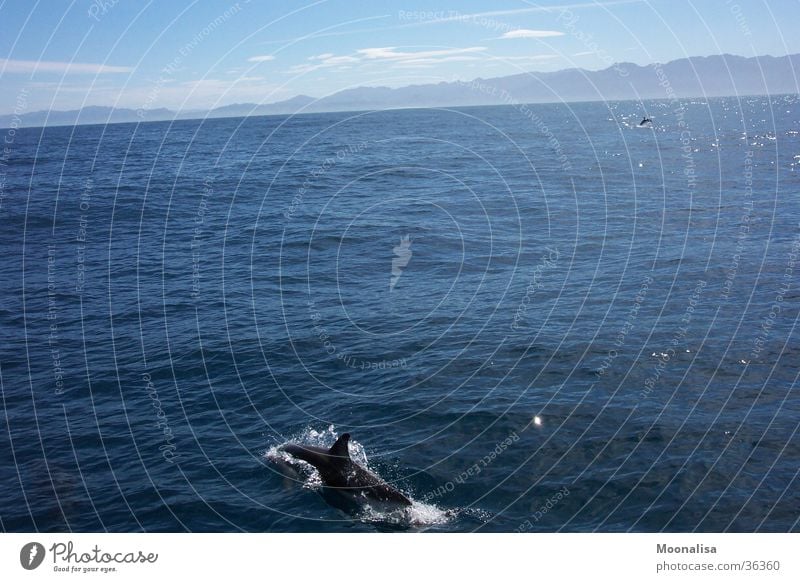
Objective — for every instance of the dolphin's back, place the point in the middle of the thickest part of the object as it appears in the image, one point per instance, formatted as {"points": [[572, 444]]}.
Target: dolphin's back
{"points": [[309, 454], [373, 486]]}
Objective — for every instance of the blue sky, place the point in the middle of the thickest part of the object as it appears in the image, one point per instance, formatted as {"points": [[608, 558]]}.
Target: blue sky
{"points": [[184, 55]]}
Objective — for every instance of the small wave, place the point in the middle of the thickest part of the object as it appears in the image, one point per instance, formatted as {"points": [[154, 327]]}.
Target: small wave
{"points": [[418, 515]]}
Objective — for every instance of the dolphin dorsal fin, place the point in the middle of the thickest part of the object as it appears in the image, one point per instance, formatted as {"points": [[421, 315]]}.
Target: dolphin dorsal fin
{"points": [[339, 448]]}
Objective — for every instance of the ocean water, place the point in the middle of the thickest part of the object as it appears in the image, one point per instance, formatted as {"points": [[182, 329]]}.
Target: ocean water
{"points": [[530, 318]]}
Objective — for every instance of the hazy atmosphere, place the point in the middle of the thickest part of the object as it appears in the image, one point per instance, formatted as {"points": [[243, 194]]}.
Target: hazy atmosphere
{"points": [[146, 56]]}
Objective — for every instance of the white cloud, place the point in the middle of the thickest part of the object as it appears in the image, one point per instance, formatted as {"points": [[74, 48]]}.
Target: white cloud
{"points": [[515, 11], [429, 61], [323, 61], [343, 60], [261, 59], [527, 58], [390, 53], [64, 68], [303, 69], [526, 33]]}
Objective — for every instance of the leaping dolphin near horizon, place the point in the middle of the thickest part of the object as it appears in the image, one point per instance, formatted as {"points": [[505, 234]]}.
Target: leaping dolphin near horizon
{"points": [[341, 475]]}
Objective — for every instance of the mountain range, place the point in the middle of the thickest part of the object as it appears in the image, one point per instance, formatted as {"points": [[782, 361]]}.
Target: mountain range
{"points": [[713, 76]]}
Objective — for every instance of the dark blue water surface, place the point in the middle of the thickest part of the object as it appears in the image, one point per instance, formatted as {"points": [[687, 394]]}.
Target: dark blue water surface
{"points": [[538, 318]]}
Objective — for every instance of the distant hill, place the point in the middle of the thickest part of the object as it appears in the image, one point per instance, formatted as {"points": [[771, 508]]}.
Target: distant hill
{"points": [[85, 116], [292, 105], [712, 76]]}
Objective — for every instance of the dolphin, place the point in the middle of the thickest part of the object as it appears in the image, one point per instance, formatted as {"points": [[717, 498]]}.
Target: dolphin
{"points": [[341, 475]]}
